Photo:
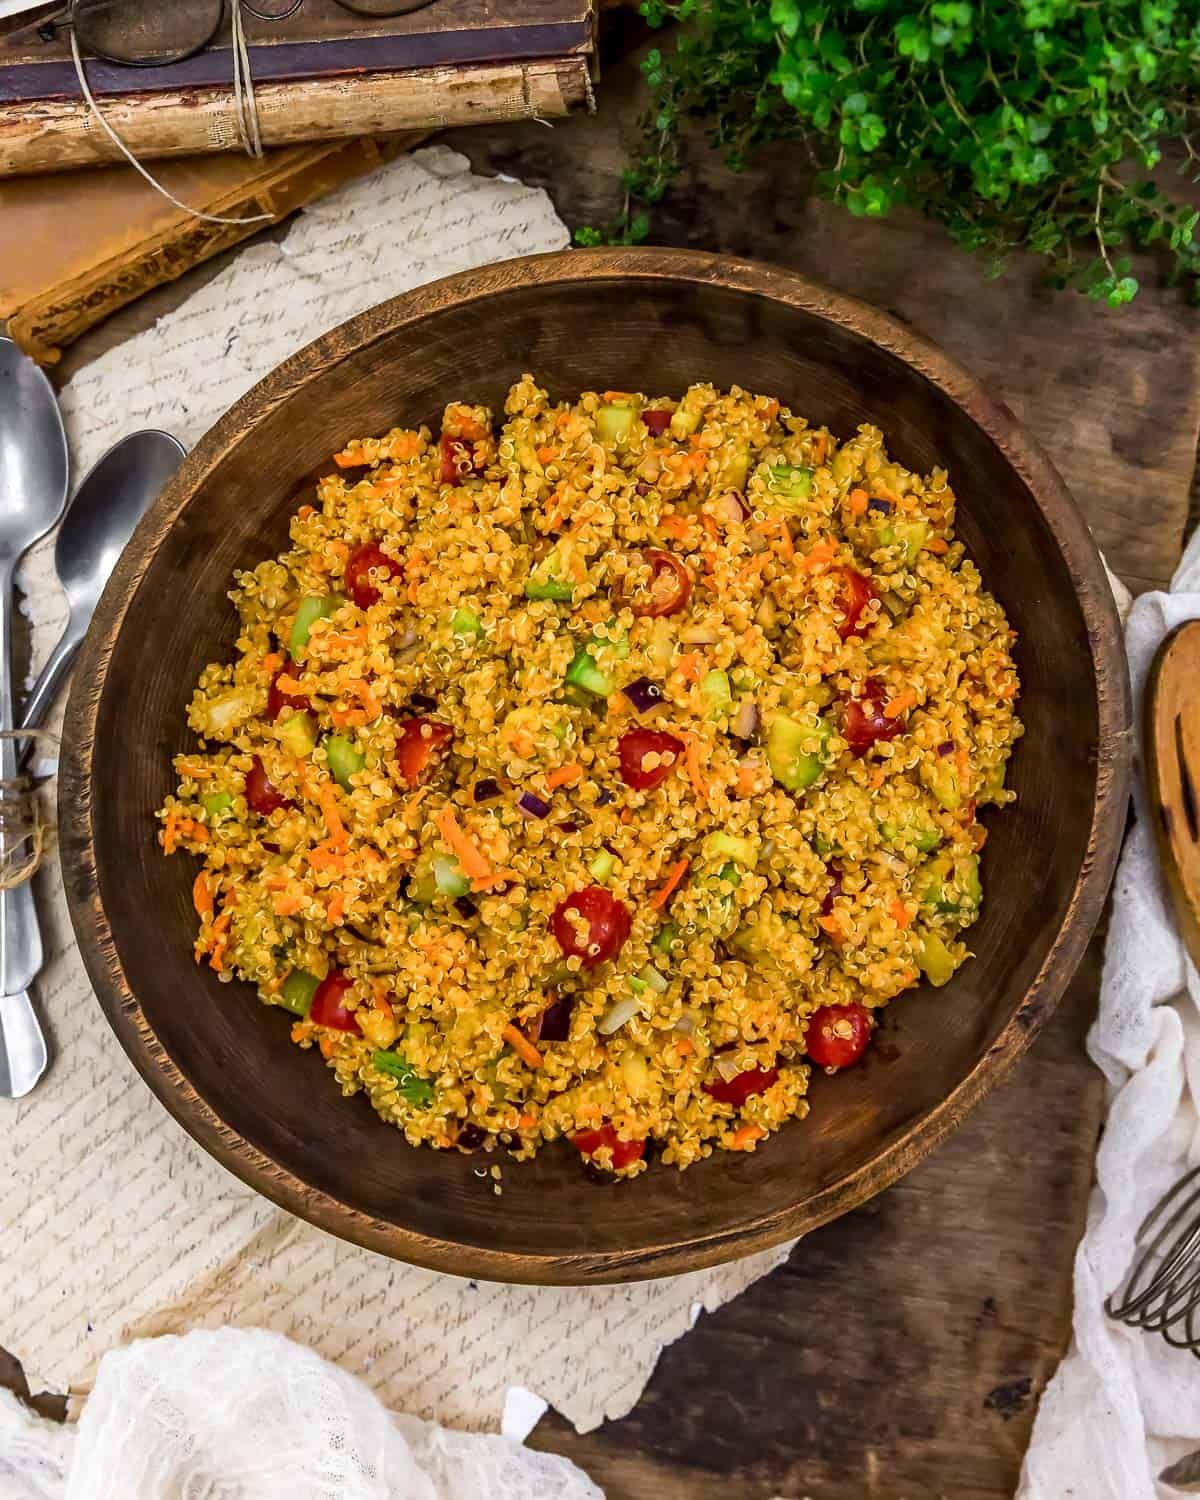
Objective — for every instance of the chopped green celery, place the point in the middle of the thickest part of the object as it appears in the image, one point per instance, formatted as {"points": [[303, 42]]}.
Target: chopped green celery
{"points": [[602, 866], [729, 872], [549, 588], [912, 535], [298, 733], [941, 777], [297, 991], [215, 803], [638, 986], [727, 845], [413, 1088], [663, 939], [345, 758], [791, 765], [789, 483], [449, 877], [886, 534], [583, 672], [650, 976], [613, 423], [466, 622], [312, 608], [717, 693], [936, 961], [559, 731], [910, 826]]}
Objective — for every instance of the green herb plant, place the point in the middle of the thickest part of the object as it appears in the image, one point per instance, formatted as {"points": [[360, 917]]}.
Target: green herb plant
{"points": [[1018, 124]]}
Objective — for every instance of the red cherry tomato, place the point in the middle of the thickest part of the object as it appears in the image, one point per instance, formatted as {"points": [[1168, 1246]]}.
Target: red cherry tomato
{"points": [[865, 721], [592, 924], [261, 795], [278, 700], [657, 422], [327, 1008], [457, 460], [632, 748], [588, 1142], [420, 741], [738, 1089], [838, 1035], [669, 589], [362, 562], [857, 594]]}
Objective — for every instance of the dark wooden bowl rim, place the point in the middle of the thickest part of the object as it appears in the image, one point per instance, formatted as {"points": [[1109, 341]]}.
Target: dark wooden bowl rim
{"points": [[1095, 597]]}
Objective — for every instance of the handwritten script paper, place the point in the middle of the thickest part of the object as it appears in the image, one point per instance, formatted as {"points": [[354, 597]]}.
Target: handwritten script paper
{"points": [[113, 1224]]}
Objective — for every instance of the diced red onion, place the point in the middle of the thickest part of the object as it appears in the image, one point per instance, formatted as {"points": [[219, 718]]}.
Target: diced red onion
{"points": [[946, 748], [745, 721], [644, 694], [731, 507], [532, 805], [686, 1024], [884, 507], [616, 1015], [422, 703], [604, 797], [555, 1022], [486, 789]]}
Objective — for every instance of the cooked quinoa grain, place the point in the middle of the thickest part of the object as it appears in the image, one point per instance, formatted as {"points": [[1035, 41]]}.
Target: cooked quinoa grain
{"points": [[599, 771]]}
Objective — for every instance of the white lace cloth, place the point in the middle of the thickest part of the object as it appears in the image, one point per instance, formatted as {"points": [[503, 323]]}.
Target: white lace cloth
{"points": [[1124, 1404], [248, 1415]]}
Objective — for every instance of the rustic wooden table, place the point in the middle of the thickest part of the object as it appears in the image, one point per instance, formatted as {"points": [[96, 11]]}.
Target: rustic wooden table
{"points": [[901, 1350]]}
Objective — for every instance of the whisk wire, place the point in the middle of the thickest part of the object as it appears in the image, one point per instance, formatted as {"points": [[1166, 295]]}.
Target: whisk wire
{"points": [[1162, 1291]]}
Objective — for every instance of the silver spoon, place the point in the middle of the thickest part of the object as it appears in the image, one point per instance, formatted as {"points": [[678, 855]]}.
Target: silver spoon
{"points": [[98, 523], [33, 490]]}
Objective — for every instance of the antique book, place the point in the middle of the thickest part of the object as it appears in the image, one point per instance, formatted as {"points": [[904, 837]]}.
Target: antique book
{"points": [[91, 241], [324, 74]]}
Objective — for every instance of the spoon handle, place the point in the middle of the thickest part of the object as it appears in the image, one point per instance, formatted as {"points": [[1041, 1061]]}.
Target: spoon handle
{"points": [[45, 690], [22, 1046], [20, 940]]}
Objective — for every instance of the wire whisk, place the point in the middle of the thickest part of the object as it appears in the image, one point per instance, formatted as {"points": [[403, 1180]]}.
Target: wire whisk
{"points": [[1162, 1294]]}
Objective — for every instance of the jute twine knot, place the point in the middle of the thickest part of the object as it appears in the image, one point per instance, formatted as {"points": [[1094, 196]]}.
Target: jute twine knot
{"points": [[26, 835]]}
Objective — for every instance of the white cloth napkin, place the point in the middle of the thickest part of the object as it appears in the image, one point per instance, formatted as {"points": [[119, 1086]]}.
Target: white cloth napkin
{"points": [[1123, 1404], [248, 1415]]}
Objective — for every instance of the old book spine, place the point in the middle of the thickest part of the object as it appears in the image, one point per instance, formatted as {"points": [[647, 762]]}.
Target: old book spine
{"points": [[56, 317], [51, 135]]}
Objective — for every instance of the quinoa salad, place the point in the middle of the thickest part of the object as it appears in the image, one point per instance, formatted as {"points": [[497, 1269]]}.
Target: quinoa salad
{"points": [[598, 769]]}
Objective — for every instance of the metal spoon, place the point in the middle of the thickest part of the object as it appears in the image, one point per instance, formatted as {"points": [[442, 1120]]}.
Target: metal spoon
{"points": [[98, 523], [33, 490]]}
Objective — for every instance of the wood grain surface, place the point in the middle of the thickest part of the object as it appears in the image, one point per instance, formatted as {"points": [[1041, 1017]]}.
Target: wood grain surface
{"points": [[1172, 729]]}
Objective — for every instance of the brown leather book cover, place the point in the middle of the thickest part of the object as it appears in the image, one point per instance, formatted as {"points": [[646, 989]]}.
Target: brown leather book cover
{"points": [[91, 241]]}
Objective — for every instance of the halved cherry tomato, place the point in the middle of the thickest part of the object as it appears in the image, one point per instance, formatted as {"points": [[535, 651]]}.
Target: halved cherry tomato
{"points": [[362, 562], [738, 1089], [865, 721], [838, 1035], [592, 924], [857, 594], [657, 422], [420, 740], [632, 749], [588, 1142], [457, 460], [669, 589], [278, 700], [327, 1008], [261, 795]]}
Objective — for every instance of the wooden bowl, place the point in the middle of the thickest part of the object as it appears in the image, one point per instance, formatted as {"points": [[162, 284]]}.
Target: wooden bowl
{"points": [[650, 320]]}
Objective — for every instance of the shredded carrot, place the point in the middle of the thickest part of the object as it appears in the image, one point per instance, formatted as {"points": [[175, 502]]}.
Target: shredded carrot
{"points": [[335, 908], [325, 858], [527, 1121], [327, 1044], [475, 866], [524, 744], [908, 976], [665, 892], [305, 511], [963, 761], [746, 778], [1007, 690], [900, 913], [979, 837], [626, 815], [834, 924], [579, 568], [889, 495], [680, 527], [367, 698], [350, 458], [344, 718], [219, 934], [276, 984], [937, 545], [745, 1137], [196, 772], [769, 409], [691, 664], [877, 778], [522, 1046], [379, 997], [202, 895], [818, 448], [340, 640], [710, 527], [817, 555], [547, 454], [413, 802], [692, 762], [856, 500], [684, 1047], [755, 565], [558, 499], [170, 832], [564, 775], [785, 538], [302, 1031], [288, 684], [900, 704], [196, 831], [272, 662], [327, 802], [284, 905]]}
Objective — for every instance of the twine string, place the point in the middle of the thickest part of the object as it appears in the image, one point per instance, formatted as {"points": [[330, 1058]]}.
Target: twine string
{"points": [[26, 836]]}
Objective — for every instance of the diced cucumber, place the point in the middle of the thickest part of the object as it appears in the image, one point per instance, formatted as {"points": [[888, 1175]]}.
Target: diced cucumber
{"points": [[663, 939], [793, 766], [789, 484], [549, 588], [912, 535], [651, 977], [345, 758], [684, 421], [413, 1089], [717, 693], [941, 777], [909, 825], [449, 877], [215, 803], [936, 961], [727, 846], [613, 423], [602, 866], [638, 986], [312, 608], [583, 672], [298, 733], [297, 991], [466, 622], [949, 885]]}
